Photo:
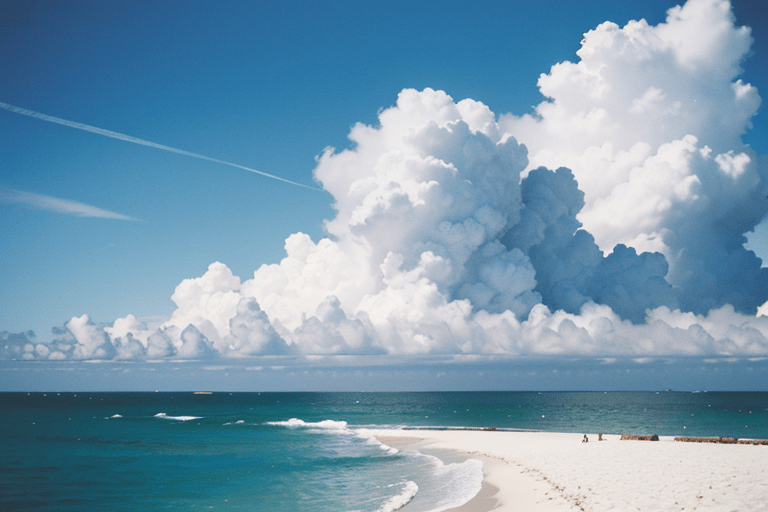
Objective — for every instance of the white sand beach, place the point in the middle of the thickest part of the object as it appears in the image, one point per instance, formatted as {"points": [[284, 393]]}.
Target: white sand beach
{"points": [[537, 471]]}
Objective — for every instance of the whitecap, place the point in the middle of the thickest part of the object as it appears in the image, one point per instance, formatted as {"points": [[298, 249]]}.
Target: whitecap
{"points": [[371, 439], [334, 427], [340, 426], [164, 416]]}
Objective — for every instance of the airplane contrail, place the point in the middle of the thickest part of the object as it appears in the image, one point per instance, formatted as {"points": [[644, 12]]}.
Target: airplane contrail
{"points": [[128, 138]]}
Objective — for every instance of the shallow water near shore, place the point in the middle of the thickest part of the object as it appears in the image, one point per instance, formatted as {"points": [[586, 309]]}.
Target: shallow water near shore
{"points": [[301, 451]]}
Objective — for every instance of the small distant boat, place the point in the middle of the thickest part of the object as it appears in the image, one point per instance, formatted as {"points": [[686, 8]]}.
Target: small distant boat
{"points": [[203, 392]]}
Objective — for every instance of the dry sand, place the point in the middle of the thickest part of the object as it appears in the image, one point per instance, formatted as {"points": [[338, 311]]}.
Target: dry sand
{"points": [[538, 471]]}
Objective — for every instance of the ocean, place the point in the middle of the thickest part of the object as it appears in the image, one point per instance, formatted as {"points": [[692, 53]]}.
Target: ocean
{"points": [[302, 451]]}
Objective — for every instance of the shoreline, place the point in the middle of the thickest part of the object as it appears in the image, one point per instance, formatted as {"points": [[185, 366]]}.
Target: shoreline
{"points": [[623, 437], [552, 472]]}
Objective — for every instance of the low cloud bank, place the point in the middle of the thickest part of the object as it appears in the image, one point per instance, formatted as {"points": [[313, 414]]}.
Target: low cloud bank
{"points": [[610, 222]]}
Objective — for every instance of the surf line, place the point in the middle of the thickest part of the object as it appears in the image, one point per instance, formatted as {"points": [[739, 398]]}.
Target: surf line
{"points": [[128, 138]]}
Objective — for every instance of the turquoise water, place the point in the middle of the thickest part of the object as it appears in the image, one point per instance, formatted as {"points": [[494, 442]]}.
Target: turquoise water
{"points": [[300, 451]]}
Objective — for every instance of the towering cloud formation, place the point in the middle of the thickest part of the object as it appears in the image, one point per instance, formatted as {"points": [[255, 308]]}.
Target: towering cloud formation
{"points": [[609, 222], [649, 121]]}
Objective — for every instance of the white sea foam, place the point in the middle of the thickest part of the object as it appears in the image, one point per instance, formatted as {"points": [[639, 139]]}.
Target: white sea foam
{"points": [[459, 483], [397, 502], [444, 486], [390, 450], [371, 439], [323, 425], [164, 416], [334, 427], [441, 487]]}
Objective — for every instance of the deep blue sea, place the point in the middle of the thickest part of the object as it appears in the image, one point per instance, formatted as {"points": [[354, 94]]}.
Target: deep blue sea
{"points": [[301, 451]]}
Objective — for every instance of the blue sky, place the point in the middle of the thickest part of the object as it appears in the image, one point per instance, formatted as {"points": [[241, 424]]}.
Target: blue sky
{"points": [[267, 86]]}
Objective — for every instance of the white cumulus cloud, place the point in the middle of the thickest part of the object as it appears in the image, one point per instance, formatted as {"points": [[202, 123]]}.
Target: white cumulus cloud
{"points": [[608, 223]]}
